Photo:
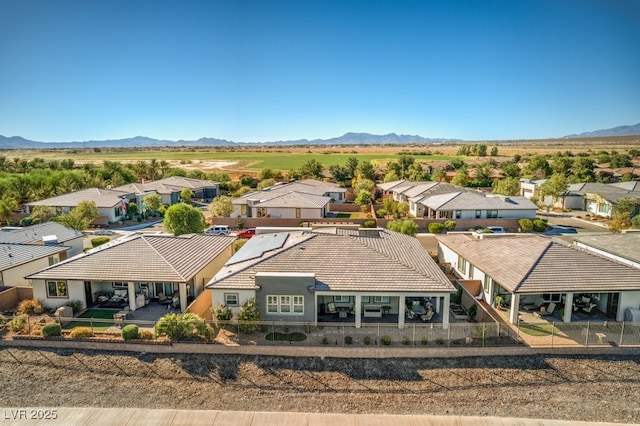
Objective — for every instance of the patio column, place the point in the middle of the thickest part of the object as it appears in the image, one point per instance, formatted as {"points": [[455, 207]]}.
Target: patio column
{"points": [[401, 305], [131, 291], [446, 300], [438, 305], [183, 297], [568, 307], [515, 308], [358, 309]]}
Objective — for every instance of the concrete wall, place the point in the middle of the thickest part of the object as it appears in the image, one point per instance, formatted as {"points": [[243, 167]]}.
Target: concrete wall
{"points": [[217, 298], [10, 297], [201, 306]]}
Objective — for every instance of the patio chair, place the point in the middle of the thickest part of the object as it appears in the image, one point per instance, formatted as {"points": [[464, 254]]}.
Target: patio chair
{"points": [[548, 311], [163, 299], [331, 308], [590, 309], [427, 317], [533, 306]]}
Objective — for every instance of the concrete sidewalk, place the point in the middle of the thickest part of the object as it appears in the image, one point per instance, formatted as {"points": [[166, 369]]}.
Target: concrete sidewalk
{"points": [[135, 416]]}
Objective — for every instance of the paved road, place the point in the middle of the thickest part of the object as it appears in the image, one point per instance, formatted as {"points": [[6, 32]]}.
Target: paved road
{"points": [[581, 225]]}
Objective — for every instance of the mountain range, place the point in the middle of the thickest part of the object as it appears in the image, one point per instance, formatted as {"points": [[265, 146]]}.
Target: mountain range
{"points": [[17, 142]]}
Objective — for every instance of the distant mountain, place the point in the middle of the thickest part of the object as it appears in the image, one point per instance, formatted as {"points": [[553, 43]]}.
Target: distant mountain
{"points": [[17, 142], [615, 131]]}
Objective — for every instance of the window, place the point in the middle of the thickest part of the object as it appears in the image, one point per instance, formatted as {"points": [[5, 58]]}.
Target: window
{"points": [[261, 211], [486, 283], [231, 299], [289, 305], [492, 214], [57, 289], [458, 214], [243, 209], [297, 213], [54, 259], [462, 264], [381, 299], [343, 299], [472, 269], [120, 284], [478, 214]]}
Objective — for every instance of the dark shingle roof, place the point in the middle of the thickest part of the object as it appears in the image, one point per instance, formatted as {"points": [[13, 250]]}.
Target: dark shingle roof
{"points": [[35, 233], [12, 255]]}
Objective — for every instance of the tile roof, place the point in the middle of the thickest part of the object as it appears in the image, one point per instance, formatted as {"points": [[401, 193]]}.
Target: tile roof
{"points": [[102, 197], [626, 246], [345, 261], [34, 233], [535, 264], [142, 258], [184, 182], [470, 200], [297, 199], [12, 255]]}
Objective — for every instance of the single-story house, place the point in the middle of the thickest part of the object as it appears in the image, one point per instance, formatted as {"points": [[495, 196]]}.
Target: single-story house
{"points": [[19, 259], [623, 248], [135, 269], [285, 200], [331, 190], [47, 233], [477, 205], [301, 275], [527, 269], [108, 201], [169, 189]]}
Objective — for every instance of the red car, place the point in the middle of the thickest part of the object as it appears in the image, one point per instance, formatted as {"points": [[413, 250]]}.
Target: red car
{"points": [[247, 233]]}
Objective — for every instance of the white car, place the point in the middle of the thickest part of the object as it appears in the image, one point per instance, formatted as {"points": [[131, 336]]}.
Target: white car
{"points": [[496, 229], [217, 230]]}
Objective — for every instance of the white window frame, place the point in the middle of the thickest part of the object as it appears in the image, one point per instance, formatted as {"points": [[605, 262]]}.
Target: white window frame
{"points": [[486, 283], [462, 264], [472, 270], [57, 284], [341, 299], [285, 304], [120, 284], [54, 258], [228, 299], [380, 299]]}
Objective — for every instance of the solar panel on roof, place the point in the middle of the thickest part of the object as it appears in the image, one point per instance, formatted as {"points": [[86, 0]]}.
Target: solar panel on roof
{"points": [[257, 246]]}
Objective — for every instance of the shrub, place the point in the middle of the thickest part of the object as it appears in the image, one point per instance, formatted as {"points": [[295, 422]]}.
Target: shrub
{"points": [[146, 335], [424, 341], [539, 225], [406, 341], [526, 225], [129, 332], [182, 327], [98, 241], [385, 340], [348, 340], [325, 341], [450, 225], [3, 320], [81, 332], [18, 323], [249, 314], [457, 296], [366, 340], [440, 341], [381, 213], [75, 305], [222, 313], [472, 311], [51, 329], [369, 224], [436, 228], [30, 307]]}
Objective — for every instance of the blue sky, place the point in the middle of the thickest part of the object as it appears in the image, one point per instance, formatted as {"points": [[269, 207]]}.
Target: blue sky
{"points": [[280, 70]]}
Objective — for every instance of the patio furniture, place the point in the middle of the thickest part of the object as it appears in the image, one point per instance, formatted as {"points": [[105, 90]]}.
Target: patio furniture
{"points": [[590, 309], [163, 299], [533, 306], [373, 311], [427, 317], [331, 308], [548, 311]]}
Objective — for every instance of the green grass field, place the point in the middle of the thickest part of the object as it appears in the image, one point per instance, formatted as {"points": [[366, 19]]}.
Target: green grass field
{"points": [[539, 329], [102, 315]]}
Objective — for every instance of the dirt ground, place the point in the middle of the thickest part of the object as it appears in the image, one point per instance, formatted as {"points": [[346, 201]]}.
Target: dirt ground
{"points": [[598, 388]]}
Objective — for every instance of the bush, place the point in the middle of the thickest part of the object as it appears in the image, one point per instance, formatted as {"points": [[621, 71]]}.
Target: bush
{"points": [[184, 327], [457, 296], [450, 225], [325, 341], [385, 340], [348, 340], [406, 341], [51, 329], [130, 332], [146, 335], [3, 320], [635, 221], [249, 313], [440, 341], [18, 323], [30, 307], [222, 313], [539, 225], [75, 305], [81, 332], [424, 341], [366, 340], [472, 311], [369, 224], [98, 241], [436, 228], [526, 225]]}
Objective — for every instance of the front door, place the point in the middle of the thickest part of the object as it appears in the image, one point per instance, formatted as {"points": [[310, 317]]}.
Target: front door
{"points": [[88, 295], [612, 305]]}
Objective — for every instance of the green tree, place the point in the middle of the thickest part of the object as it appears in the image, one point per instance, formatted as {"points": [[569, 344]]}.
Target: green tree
{"points": [[415, 172], [265, 183], [41, 214], [538, 167], [7, 206], [457, 163], [407, 227], [352, 165], [363, 198], [583, 170], [221, 206], [510, 170], [311, 169], [554, 187], [390, 176], [249, 315], [339, 173], [439, 174], [182, 218], [460, 178], [365, 170], [494, 151], [186, 195], [152, 202], [623, 211], [80, 217], [508, 186]]}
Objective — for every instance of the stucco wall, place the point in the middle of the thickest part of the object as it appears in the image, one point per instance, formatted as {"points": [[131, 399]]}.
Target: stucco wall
{"points": [[284, 285], [10, 297], [14, 277], [74, 288], [204, 276]]}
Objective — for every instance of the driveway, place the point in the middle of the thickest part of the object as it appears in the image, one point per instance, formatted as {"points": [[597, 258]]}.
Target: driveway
{"points": [[569, 219]]}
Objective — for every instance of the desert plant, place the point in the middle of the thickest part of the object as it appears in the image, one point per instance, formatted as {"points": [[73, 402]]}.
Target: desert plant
{"points": [[18, 323], [145, 335], [130, 332], [51, 329], [435, 228], [30, 307], [98, 241], [348, 340], [385, 340], [75, 305], [366, 340], [222, 312], [187, 326], [406, 341], [81, 332]]}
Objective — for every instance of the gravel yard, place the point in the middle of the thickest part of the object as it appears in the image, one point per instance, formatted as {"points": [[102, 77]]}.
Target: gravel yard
{"points": [[598, 388]]}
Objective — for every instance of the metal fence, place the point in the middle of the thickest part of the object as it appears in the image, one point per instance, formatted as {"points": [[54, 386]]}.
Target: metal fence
{"points": [[540, 334]]}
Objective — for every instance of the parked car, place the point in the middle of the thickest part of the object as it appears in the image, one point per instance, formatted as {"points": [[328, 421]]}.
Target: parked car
{"points": [[490, 230], [247, 233], [217, 230], [560, 230]]}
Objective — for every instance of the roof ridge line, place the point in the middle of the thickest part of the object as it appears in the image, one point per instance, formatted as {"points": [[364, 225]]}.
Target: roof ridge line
{"points": [[143, 237], [533, 265]]}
